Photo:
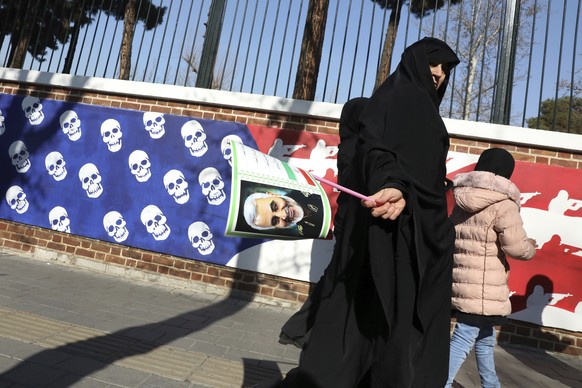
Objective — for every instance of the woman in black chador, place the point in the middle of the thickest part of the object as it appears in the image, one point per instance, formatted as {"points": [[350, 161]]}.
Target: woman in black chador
{"points": [[386, 320]]}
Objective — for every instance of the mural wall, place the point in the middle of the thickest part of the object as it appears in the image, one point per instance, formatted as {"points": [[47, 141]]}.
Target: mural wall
{"points": [[141, 179], [162, 182], [546, 290]]}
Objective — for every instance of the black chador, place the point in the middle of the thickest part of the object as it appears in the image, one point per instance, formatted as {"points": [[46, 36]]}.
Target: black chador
{"points": [[385, 319]]}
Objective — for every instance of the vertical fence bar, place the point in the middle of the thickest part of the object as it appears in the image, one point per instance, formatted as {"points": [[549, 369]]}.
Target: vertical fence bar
{"points": [[331, 45], [102, 40], [273, 34], [421, 21], [44, 14], [544, 62], [223, 72], [457, 44], [112, 41], [83, 43], [559, 67], [179, 13], [367, 61], [294, 46], [487, 16], [239, 45], [163, 40], [343, 51], [135, 67], [93, 42], [531, 44], [502, 101], [470, 65], [150, 54], [355, 53], [183, 44], [259, 44], [70, 20], [192, 48], [249, 46], [282, 46], [573, 67]]}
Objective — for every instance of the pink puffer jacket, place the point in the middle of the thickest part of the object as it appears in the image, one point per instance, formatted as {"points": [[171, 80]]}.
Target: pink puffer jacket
{"points": [[487, 227]]}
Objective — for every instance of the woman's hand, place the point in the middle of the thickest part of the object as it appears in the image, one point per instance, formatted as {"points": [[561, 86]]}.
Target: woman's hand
{"points": [[387, 203]]}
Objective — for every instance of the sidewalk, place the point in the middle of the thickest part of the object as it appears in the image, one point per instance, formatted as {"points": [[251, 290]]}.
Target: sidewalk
{"points": [[62, 326]]}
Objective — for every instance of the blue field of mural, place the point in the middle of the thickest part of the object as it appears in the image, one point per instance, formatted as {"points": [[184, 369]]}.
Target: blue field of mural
{"points": [[143, 179]]}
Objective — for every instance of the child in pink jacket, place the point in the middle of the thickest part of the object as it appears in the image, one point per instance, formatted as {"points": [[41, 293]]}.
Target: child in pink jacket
{"points": [[488, 227]]}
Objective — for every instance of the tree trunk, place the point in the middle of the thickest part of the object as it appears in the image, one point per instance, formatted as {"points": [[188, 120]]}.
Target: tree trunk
{"points": [[386, 60], [311, 48], [127, 40], [72, 45], [21, 35]]}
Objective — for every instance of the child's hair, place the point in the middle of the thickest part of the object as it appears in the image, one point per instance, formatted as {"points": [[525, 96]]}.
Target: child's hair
{"points": [[496, 160]]}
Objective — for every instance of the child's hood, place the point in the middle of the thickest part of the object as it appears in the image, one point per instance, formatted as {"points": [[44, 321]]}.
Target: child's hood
{"points": [[476, 190]]}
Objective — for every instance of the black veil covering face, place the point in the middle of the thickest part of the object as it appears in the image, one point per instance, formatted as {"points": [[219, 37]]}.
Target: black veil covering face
{"points": [[386, 321]]}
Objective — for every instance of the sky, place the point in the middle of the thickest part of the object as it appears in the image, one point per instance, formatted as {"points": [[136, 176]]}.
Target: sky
{"points": [[260, 49]]}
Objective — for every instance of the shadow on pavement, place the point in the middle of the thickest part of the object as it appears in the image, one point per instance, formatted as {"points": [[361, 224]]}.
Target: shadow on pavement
{"points": [[96, 353], [547, 364]]}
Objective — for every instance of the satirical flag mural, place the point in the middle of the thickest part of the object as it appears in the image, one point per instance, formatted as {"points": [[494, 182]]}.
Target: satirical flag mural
{"points": [[162, 182], [142, 179]]}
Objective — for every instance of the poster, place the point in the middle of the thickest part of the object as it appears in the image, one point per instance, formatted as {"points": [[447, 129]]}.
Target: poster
{"points": [[271, 198]]}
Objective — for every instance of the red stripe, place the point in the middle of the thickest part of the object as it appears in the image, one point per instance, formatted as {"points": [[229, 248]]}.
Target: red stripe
{"points": [[307, 177]]}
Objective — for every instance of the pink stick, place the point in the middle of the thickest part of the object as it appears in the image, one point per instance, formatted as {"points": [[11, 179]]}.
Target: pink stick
{"points": [[342, 188]]}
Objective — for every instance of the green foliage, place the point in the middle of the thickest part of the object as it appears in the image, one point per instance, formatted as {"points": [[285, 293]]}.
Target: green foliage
{"points": [[147, 13], [418, 8], [567, 118], [53, 21]]}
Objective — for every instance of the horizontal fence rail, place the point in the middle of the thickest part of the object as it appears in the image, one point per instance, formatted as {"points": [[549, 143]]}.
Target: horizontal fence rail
{"points": [[519, 59]]}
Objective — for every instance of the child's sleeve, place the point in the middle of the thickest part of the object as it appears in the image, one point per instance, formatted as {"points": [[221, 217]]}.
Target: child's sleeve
{"points": [[512, 236]]}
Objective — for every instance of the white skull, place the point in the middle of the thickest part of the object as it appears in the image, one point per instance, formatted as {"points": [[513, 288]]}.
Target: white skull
{"points": [[16, 199], [115, 226], [212, 185], [20, 156], [177, 187], [139, 165], [111, 134], [71, 125], [55, 165], [91, 180], [225, 147], [2, 124], [200, 237], [155, 222], [59, 219], [32, 109], [154, 124], [194, 138]]}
